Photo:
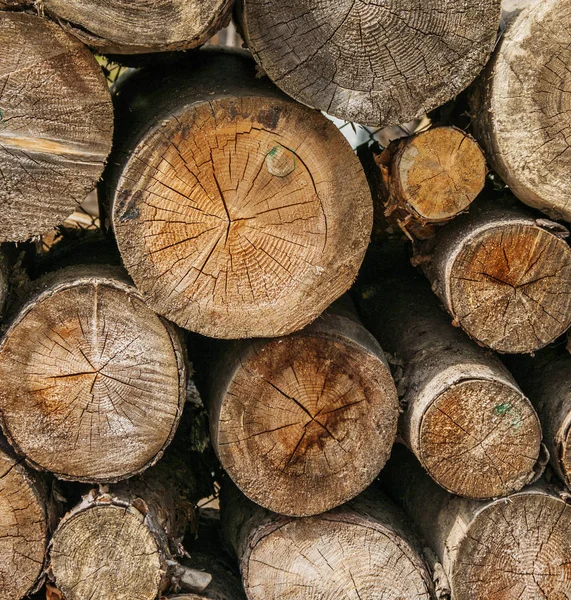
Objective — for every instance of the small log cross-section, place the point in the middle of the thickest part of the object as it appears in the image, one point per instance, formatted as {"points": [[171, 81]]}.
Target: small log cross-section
{"points": [[514, 548], [56, 125], [304, 423], [505, 277], [238, 212], [360, 550], [465, 418], [92, 382], [522, 107], [126, 27], [380, 63]]}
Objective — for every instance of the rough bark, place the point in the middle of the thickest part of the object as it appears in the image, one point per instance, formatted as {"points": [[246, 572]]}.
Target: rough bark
{"points": [[516, 548], [125, 27], [429, 178], [504, 276], [56, 125], [360, 550], [304, 423], [92, 382], [465, 418], [522, 108], [15, 4], [370, 62], [238, 212]]}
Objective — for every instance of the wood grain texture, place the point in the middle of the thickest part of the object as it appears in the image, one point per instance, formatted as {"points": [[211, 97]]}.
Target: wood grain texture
{"points": [[522, 107], [238, 212], [370, 62], [304, 423], [56, 125], [126, 27], [92, 382]]}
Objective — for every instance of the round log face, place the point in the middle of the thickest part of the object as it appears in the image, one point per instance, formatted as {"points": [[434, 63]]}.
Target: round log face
{"points": [[370, 62], [243, 217], [517, 549], [56, 124], [106, 552], [307, 423], [89, 383], [510, 287], [23, 531], [325, 558], [480, 439]]}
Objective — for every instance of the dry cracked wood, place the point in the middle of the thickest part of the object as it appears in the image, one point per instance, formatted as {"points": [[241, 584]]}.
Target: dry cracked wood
{"points": [[92, 382], [465, 418], [127, 27], [56, 125], [360, 550], [238, 212], [522, 107], [505, 277], [515, 548], [371, 62], [304, 423]]}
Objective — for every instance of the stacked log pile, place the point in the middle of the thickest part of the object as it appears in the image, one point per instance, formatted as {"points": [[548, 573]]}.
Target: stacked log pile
{"points": [[358, 356]]}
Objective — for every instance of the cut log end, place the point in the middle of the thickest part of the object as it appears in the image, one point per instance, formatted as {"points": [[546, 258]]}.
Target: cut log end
{"points": [[23, 530], [480, 438], [518, 548]]}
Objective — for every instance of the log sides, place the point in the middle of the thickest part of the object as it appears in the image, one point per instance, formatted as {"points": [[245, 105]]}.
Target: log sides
{"points": [[514, 548], [363, 549], [367, 61], [56, 125], [92, 382], [304, 423], [464, 417], [504, 276], [124, 27], [522, 109], [238, 212]]}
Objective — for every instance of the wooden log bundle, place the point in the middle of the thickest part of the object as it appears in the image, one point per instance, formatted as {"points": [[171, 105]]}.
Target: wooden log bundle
{"points": [[363, 550], [511, 548], [304, 423], [56, 125], [92, 382], [504, 276], [521, 107], [238, 213], [465, 418], [374, 63]]}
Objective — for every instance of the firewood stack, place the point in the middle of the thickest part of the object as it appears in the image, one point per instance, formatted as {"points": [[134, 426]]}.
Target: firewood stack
{"points": [[357, 356]]}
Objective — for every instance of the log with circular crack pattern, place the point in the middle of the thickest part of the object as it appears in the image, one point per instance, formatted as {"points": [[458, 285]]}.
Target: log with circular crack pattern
{"points": [[371, 62], [56, 125], [238, 212], [304, 423], [514, 548], [522, 107], [92, 382], [363, 549], [126, 27]]}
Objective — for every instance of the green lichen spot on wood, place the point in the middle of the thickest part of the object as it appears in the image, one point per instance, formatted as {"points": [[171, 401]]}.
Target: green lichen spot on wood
{"points": [[508, 409]]}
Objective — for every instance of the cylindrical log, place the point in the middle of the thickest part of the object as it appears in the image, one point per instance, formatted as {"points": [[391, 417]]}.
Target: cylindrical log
{"points": [[360, 550], [304, 423], [56, 125], [24, 526], [465, 418], [515, 548], [522, 111], [125, 27], [371, 62], [92, 382], [238, 212], [430, 177], [504, 276]]}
